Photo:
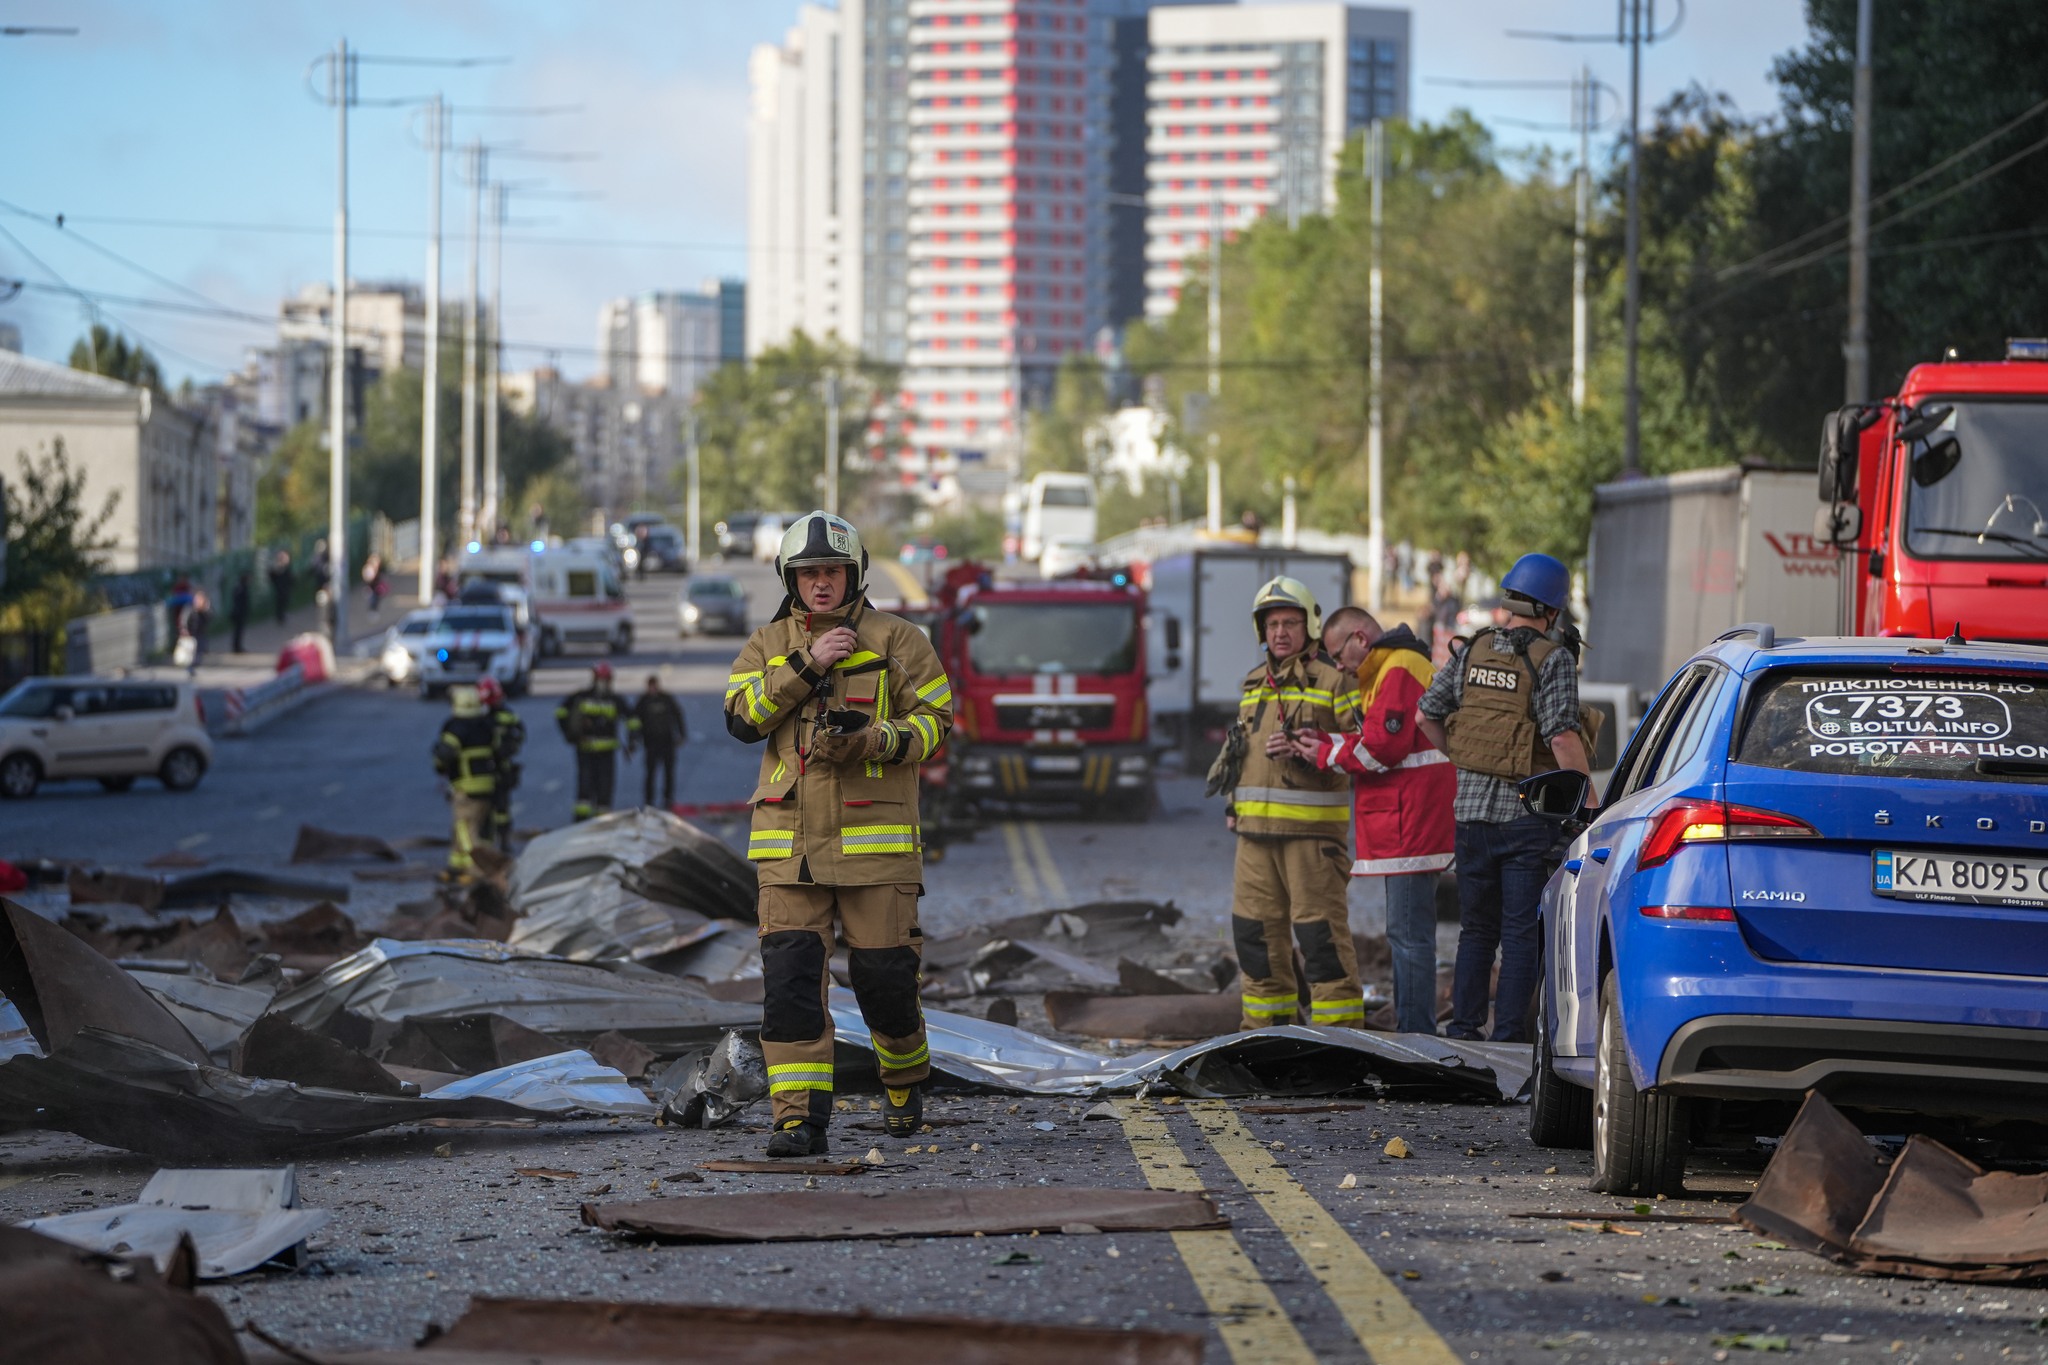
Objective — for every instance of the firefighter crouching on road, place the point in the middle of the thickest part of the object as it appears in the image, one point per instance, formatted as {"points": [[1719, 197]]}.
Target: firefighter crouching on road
{"points": [[1505, 709], [849, 700], [1291, 821], [1401, 792], [590, 721], [511, 738], [466, 757]]}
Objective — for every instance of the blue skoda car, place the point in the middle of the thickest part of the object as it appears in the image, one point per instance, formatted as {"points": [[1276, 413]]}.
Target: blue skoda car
{"points": [[1820, 865]]}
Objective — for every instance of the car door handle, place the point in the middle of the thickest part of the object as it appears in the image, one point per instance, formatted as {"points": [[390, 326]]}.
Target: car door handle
{"points": [[1572, 865], [1601, 855]]}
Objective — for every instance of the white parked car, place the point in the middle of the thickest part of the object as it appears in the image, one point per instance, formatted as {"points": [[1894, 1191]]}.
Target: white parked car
{"points": [[111, 729], [399, 659], [467, 642]]}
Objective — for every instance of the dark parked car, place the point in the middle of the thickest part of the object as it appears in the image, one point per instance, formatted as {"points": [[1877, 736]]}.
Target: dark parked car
{"points": [[736, 535], [713, 605], [663, 550]]}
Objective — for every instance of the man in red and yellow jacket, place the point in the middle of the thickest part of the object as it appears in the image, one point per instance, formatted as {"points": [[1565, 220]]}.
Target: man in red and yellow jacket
{"points": [[1402, 790]]}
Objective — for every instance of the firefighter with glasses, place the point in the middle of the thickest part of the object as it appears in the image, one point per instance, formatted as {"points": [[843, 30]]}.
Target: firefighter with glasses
{"points": [[1293, 822], [848, 701]]}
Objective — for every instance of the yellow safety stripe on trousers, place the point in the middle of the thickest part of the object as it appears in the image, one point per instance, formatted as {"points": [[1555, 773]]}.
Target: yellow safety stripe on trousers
{"points": [[878, 839], [1270, 1006], [937, 692], [766, 844], [902, 1061], [1336, 1011], [800, 1076], [597, 746], [1287, 810]]}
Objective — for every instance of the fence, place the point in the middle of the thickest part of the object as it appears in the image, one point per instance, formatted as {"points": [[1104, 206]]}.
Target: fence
{"points": [[122, 638]]}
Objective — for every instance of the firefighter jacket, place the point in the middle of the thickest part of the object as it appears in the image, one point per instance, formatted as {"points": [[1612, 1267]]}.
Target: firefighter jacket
{"points": [[851, 823], [1287, 797], [1494, 730], [590, 720], [466, 753], [1402, 786], [511, 732], [657, 721]]}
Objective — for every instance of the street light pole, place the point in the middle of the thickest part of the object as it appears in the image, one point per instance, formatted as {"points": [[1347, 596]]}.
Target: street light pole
{"points": [[1582, 206], [694, 508], [343, 87], [475, 157], [1856, 353], [1376, 528], [1632, 307], [492, 357], [430, 397]]}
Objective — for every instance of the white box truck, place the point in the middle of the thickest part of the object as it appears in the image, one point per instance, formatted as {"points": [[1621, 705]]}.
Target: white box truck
{"points": [[1202, 639], [1677, 560]]}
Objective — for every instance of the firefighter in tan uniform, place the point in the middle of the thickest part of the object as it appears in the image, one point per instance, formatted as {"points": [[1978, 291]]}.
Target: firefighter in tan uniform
{"points": [[1293, 824], [849, 701]]}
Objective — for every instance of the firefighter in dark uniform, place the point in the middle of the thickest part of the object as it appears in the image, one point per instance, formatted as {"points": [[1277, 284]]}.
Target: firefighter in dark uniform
{"points": [[511, 739], [466, 758], [590, 721], [849, 701]]}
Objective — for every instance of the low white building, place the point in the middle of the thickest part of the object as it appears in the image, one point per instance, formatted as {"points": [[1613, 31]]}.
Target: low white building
{"points": [[1133, 448], [160, 461]]}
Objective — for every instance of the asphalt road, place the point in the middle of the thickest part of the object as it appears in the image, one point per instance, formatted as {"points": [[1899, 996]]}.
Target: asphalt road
{"points": [[1419, 1259]]}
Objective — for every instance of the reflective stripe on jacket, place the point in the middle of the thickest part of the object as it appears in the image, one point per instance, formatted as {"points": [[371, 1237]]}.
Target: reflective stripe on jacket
{"points": [[1287, 797], [1402, 786], [590, 720], [466, 753], [851, 823]]}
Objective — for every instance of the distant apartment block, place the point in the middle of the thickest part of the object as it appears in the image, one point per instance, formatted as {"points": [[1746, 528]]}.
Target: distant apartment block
{"points": [[669, 343]]}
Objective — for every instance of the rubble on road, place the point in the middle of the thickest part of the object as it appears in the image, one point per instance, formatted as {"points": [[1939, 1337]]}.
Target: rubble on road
{"points": [[61, 1303], [651, 853], [1051, 949], [1143, 1017], [316, 845], [1932, 1215], [223, 945], [537, 1332], [236, 1221], [835, 1216], [709, 1090]]}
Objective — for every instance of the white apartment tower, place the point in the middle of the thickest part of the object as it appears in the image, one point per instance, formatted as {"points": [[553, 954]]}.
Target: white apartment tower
{"points": [[795, 173], [1248, 109]]}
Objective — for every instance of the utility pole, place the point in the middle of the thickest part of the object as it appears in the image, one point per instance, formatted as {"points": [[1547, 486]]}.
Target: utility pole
{"points": [[1856, 380], [430, 397], [492, 356], [832, 442], [476, 160], [1215, 357], [1582, 206], [1376, 528], [343, 91], [693, 511], [1632, 306]]}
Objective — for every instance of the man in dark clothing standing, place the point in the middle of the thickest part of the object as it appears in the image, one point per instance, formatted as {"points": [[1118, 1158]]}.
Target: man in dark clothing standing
{"points": [[656, 722], [238, 608], [281, 583]]}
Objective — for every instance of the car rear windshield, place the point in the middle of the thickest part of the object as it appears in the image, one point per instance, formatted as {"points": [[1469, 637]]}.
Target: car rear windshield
{"points": [[476, 620], [1956, 725], [714, 587], [1018, 637]]}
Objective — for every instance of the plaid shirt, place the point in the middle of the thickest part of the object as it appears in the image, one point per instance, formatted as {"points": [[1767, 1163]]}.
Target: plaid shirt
{"points": [[1483, 797]]}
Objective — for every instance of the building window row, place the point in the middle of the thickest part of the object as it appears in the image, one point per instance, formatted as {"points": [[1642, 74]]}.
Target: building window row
{"points": [[1213, 129]]}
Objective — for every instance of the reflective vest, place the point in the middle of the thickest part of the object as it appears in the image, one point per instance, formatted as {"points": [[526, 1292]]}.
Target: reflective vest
{"points": [[466, 753], [852, 823], [1287, 797], [590, 720], [1493, 731]]}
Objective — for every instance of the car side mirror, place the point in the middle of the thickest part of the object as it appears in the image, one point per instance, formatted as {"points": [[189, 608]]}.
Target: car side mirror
{"points": [[1837, 523], [1559, 795]]}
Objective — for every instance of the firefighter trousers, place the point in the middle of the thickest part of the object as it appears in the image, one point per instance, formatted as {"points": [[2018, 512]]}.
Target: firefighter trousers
{"points": [[884, 950], [472, 828], [1299, 884], [596, 772]]}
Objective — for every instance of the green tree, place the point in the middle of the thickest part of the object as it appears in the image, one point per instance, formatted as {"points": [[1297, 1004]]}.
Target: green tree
{"points": [[291, 492], [103, 352], [54, 544], [1057, 438]]}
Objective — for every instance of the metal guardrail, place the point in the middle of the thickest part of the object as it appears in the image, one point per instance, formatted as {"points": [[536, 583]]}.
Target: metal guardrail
{"points": [[248, 705]]}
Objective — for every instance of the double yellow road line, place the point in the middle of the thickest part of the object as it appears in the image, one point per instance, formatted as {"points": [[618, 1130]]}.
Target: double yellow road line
{"points": [[1255, 1328], [1031, 861]]}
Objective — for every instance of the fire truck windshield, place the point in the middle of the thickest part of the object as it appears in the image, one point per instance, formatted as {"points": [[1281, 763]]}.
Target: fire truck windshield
{"points": [[1978, 484], [1010, 638]]}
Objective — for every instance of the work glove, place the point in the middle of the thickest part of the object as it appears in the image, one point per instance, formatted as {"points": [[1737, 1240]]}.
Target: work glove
{"points": [[869, 742]]}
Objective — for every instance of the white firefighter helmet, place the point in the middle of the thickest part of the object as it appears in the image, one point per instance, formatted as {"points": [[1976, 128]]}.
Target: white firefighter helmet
{"points": [[1287, 592], [464, 701], [822, 538]]}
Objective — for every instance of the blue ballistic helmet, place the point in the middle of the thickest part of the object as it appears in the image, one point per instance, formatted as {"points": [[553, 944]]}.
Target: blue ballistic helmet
{"points": [[1540, 579]]}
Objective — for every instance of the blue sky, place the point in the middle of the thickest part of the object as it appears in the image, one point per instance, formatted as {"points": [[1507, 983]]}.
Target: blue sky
{"points": [[197, 110]]}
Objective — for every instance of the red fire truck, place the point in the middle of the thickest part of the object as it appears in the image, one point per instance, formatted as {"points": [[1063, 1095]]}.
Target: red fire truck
{"points": [[1938, 499], [1048, 693]]}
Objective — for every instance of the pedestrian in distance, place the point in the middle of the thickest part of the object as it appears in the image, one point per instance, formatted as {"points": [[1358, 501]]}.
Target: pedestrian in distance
{"points": [[466, 760], [656, 724], [1505, 709], [640, 548], [1401, 790], [375, 584], [589, 720], [281, 583], [509, 737], [238, 609], [847, 701], [1291, 819], [195, 622]]}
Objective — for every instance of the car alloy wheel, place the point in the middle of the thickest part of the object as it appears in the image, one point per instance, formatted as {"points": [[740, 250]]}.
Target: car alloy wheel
{"points": [[182, 769], [19, 777], [1640, 1139]]}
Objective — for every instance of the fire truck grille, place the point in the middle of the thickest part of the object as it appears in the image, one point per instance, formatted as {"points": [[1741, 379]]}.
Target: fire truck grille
{"points": [[1056, 715]]}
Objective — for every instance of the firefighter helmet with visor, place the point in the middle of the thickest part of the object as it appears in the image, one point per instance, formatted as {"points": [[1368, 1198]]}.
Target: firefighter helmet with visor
{"points": [[1287, 592], [819, 538]]}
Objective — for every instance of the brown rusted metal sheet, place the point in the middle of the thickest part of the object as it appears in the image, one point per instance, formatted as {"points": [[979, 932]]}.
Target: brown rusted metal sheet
{"points": [[821, 1215], [316, 845], [1142, 1016], [1932, 1215], [63, 1304], [62, 985]]}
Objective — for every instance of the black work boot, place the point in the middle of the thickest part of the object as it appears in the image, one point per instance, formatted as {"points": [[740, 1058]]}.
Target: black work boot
{"points": [[902, 1110], [798, 1137]]}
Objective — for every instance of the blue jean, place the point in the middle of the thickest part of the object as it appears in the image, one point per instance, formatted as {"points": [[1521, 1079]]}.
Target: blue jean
{"points": [[1501, 872], [1411, 938]]}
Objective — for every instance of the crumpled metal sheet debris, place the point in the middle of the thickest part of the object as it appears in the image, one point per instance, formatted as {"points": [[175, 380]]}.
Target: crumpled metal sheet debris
{"points": [[561, 1084], [236, 1220], [831, 1215], [217, 1013], [1933, 1215], [63, 1304], [380, 987], [650, 853], [708, 1091], [1143, 1016], [535, 1332], [604, 922], [215, 884], [316, 845], [1078, 945]]}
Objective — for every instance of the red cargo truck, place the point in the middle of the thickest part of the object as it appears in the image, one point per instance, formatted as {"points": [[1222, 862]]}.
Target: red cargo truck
{"points": [[1938, 500]]}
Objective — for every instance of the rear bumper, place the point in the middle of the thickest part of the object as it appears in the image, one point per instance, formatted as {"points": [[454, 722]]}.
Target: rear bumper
{"points": [[1904, 1065], [1040, 773]]}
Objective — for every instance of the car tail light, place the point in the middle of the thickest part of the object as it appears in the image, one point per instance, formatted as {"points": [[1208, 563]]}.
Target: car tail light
{"points": [[1702, 912], [1684, 822]]}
